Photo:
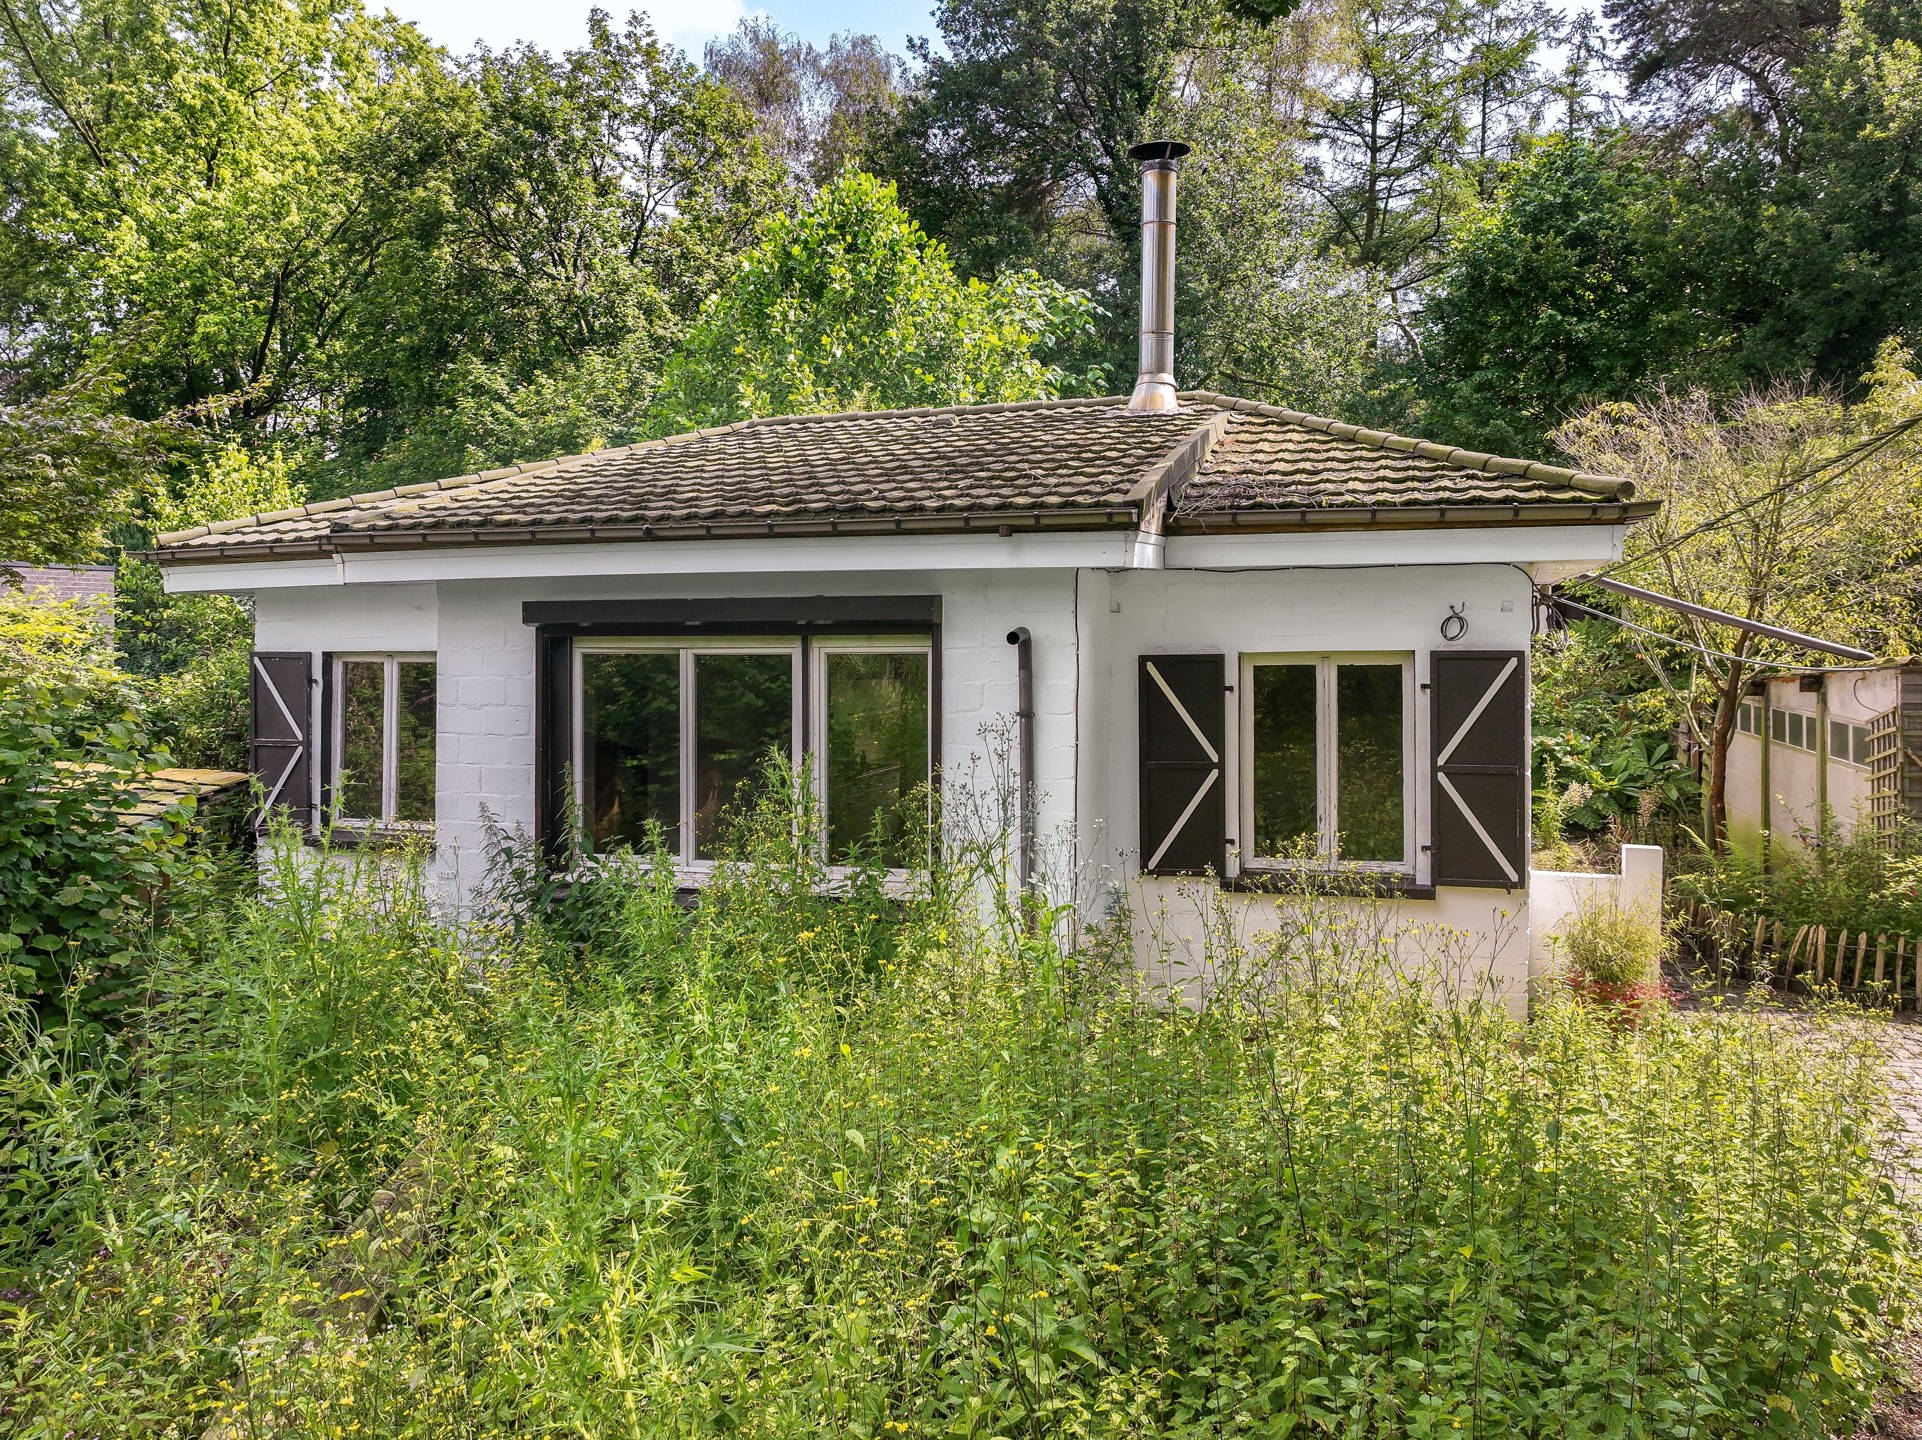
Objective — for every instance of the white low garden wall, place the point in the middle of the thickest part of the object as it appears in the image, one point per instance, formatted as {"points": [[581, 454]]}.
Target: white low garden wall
{"points": [[1553, 895]]}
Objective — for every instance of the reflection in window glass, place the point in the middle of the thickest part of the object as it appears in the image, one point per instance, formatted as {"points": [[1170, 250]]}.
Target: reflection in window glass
{"points": [[743, 708], [362, 715], [877, 751], [630, 758], [1284, 761], [414, 741], [1368, 766]]}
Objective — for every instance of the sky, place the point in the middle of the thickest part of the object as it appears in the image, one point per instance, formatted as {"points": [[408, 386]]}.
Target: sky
{"points": [[690, 24]]}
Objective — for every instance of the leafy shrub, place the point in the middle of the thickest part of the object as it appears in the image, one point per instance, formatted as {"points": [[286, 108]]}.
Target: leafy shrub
{"points": [[1603, 751], [776, 1165], [1857, 882], [1613, 956], [65, 646], [1610, 943], [75, 881]]}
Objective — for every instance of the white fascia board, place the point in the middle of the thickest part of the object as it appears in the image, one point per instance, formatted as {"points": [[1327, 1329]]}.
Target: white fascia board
{"points": [[1107, 549], [245, 576], [1543, 549], [786, 555]]}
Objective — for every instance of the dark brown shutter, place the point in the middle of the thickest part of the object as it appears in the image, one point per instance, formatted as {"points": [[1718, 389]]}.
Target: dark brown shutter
{"points": [[281, 748], [1183, 724], [1479, 701]]}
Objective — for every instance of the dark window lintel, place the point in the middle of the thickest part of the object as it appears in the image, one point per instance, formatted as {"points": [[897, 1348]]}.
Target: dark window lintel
{"points": [[737, 615]]}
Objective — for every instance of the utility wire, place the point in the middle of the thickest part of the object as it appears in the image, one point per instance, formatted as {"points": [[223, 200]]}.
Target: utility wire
{"points": [[1847, 460]]}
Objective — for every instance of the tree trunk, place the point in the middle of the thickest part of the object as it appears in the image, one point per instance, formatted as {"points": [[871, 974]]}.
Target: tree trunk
{"points": [[1728, 700]]}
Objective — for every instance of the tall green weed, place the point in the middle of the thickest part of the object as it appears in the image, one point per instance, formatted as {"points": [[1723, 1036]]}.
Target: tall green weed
{"points": [[883, 1164]]}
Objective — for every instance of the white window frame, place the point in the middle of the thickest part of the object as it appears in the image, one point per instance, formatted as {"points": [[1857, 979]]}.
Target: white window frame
{"points": [[1327, 761], [688, 649], [390, 662], [819, 648]]}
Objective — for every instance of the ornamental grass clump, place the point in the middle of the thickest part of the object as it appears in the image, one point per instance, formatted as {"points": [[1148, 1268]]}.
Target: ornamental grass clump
{"points": [[881, 1163], [1612, 955]]}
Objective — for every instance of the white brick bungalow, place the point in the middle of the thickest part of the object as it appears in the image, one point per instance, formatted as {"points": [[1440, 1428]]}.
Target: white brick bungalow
{"points": [[1251, 640], [1257, 639]]}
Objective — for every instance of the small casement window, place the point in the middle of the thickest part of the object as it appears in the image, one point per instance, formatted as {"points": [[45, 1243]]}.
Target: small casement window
{"points": [[1327, 761], [1848, 742], [669, 733], [871, 739], [383, 739]]}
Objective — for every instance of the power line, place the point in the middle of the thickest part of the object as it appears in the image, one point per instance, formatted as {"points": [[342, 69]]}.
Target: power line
{"points": [[1847, 460]]}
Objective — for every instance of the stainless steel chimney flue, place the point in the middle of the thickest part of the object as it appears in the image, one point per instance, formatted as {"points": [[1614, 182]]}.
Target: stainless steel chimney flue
{"points": [[1155, 382]]}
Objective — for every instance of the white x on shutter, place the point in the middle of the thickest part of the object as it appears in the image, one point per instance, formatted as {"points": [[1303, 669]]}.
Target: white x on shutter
{"points": [[1183, 716], [1479, 703], [278, 750]]}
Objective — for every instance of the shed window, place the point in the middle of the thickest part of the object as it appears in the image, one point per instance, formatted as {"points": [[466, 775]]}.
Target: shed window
{"points": [[1848, 743], [384, 720], [1327, 761], [670, 734]]}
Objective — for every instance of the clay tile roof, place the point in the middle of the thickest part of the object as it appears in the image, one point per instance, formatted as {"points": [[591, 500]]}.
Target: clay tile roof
{"points": [[1075, 463]]}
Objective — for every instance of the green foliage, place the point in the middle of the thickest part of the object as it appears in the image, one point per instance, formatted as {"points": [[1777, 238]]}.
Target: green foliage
{"points": [[71, 468], [1566, 287], [68, 647], [574, 211], [75, 882], [1604, 751], [849, 306], [1611, 946], [1851, 882], [1788, 506], [784, 1165]]}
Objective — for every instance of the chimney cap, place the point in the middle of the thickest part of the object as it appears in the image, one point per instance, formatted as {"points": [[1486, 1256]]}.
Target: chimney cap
{"points": [[1152, 150]]}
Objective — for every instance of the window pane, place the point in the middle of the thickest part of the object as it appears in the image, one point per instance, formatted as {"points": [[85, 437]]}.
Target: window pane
{"points": [[743, 707], [1284, 761], [631, 746], [414, 742], [362, 707], [1368, 784], [877, 749], [1778, 725], [1860, 735]]}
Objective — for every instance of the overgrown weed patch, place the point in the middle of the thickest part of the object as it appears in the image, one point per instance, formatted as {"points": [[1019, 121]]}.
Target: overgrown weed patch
{"points": [[786, 1164]]}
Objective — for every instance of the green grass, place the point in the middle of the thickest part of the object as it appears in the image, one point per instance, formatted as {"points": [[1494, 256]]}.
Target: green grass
{"points": [[792, 1166]]}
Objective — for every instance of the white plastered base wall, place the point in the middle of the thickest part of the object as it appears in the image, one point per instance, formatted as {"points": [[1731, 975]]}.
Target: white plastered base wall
{"points": [[1088, 627], [1325, 610]]}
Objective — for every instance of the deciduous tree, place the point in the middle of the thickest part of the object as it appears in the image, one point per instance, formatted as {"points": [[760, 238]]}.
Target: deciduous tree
{"points": [[850, 306], [1784, 506]]}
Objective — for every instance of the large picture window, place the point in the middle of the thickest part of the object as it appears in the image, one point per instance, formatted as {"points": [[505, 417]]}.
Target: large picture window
{"points": [[383, 740], [667, 734], [1326, 761]]}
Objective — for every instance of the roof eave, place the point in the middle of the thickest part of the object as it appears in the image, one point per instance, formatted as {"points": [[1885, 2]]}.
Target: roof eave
{"points": [[1005, 523], [1271, 520]]}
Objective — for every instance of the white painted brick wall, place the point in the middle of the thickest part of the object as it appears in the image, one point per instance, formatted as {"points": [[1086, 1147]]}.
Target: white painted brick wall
{"points": [[1088, 627]]}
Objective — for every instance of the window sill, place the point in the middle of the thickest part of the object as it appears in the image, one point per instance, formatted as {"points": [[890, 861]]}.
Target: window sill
{"points": [[373, 837], [1341, 884], [691, 877]]}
